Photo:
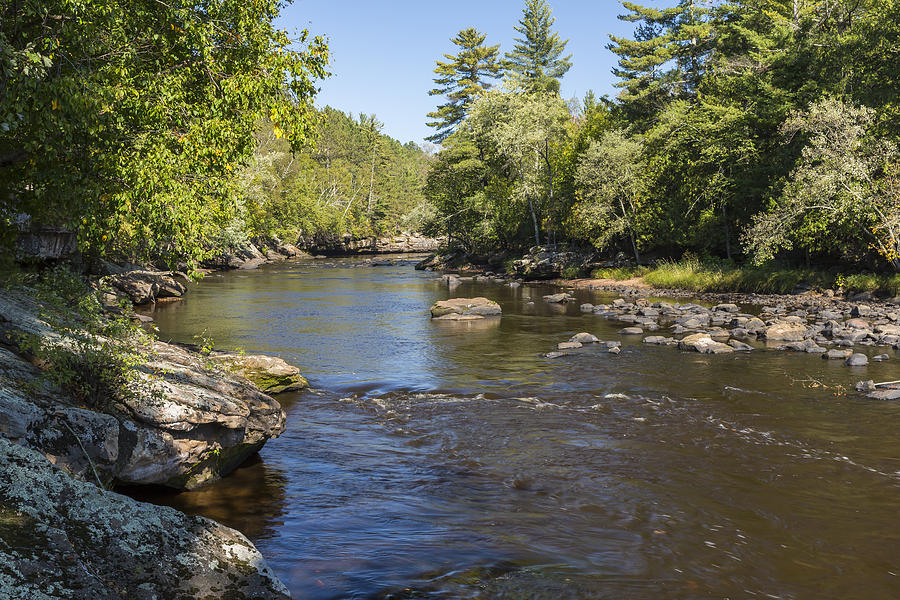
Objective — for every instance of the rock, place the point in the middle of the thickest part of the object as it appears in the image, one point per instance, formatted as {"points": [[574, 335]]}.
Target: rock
{"points": [[866, 386], [740, 346], [557, 298], [889, 394], [185, 425], [62, 538], [614, 350], [556, 354], [568, 345], [270, 374], [857, 360], [656, 340], [857, 324], [586, 308], [584, 338], [755, 325], [610, 345], [143, 287], [480, 307], [701, 342], [785, 332], [631, 331], [881, 358], [732, 308], [861, 310]]}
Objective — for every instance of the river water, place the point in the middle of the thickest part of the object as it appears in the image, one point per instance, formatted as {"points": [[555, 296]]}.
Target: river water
{"points": [[452, 460]]}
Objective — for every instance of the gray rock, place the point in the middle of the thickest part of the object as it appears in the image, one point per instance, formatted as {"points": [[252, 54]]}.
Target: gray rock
{"points": [[584, 338], [631, 331], [881, 358], [860, 310], [556, 354], [62, 538], [656, 340], [701, 342], [732, 308], [561, 298], [614, 350], [568, 345], [740, 346], [144, 287], [608, 345], [185, 426], [857, 360], [586, 308], [889, 394]]}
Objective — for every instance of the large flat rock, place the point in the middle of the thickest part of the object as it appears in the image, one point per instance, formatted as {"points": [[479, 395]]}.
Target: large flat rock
{"points": [[479, 307]]}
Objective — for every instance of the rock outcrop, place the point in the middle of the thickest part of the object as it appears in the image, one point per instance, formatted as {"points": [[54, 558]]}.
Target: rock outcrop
{"points": [[404, 243], [142, 286], [63, 538], [189, 424]]}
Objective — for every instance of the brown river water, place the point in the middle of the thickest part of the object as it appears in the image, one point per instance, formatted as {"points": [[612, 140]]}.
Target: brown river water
{"points": [[452, 460]]}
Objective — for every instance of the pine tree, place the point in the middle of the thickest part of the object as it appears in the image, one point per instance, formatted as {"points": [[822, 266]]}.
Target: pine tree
{"points": [[462, 79], [666, 58], [536, 58]]}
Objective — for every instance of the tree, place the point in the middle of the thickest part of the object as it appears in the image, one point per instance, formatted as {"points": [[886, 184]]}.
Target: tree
{"points": [[536, 60], [610, 189], [665, 60], [522, 131], [462, 79], [126, 120], [843, 179]]}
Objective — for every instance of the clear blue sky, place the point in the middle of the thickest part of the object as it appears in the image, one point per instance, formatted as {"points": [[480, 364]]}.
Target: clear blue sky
{"points": [[383, 53]]}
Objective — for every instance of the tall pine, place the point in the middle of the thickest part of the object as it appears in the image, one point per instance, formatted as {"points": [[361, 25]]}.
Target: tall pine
{"points": [[462, 79], [536, 59]]}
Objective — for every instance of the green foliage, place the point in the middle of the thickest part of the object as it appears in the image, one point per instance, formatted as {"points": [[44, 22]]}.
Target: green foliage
{"points": [[536, 61], [126, 120], [462, 79], [93, 355], [354, 180]]}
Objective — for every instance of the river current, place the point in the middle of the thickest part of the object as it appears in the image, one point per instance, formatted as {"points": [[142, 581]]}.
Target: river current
{"points": [[452, 460]]}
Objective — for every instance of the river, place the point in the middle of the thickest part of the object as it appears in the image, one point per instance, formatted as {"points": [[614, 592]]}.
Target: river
{"points": [[452, 460]]}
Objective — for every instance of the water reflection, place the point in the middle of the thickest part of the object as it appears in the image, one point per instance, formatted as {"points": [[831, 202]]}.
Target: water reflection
{"points": [[251, 499], [458, 462]]}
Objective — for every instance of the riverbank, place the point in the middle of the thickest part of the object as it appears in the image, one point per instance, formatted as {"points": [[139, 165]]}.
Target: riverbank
{"points": [[89, 401]]}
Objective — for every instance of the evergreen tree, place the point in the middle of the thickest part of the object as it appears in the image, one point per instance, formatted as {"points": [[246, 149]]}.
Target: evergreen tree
{"points": [[536, 58], [666, 58], [461, 79]]}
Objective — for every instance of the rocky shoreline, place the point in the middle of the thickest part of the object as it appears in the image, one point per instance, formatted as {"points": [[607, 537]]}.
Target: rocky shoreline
{"points": [[195, 419], [809, 321]]}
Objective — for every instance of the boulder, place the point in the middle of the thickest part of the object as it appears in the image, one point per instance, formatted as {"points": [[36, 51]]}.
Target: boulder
{"points": [[857, 360], [477, 307], [63, 538], [631, 331], [701, 342], [740, 346], [144, 287], [270, 374], [785, 332], [584, 338], [557, 298]]}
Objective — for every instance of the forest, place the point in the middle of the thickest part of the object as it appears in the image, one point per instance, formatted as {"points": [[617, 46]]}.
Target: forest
{"points": [[753, 132]]}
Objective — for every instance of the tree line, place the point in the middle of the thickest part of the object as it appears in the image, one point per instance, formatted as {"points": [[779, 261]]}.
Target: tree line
{"points": [[752, 130], [162, 132]]}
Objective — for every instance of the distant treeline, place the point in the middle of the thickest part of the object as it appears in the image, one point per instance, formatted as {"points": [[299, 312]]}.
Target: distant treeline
{"points": [[753, 130]]}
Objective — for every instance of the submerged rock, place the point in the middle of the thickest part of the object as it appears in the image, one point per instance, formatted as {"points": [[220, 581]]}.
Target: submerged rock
{"points": [[857, 360], [62, 538], [584, 338]]}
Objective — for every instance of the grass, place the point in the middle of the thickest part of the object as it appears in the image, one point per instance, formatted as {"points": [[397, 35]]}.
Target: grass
{"points": [[694, 275]]}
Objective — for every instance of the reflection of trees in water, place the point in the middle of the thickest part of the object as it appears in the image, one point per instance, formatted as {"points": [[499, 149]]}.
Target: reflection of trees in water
{"points": [[251, 499]]}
